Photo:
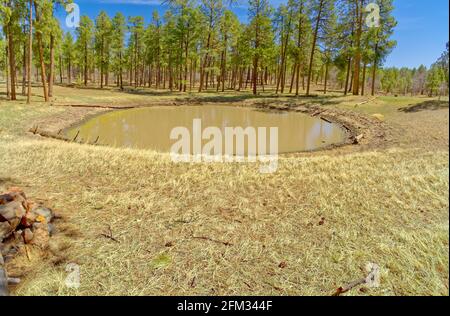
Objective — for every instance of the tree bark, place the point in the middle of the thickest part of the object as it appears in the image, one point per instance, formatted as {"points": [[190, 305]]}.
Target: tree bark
{"points": [[41, 55], [24, 67], [311, 61], [60, 69], [52, 66], [12, 61], [326, 78], [363, 82], [357, 59], [347, 77], [30, 52]]}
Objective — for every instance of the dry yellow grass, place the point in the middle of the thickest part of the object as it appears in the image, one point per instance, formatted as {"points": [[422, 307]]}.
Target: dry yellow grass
{"points": [[387, 206]]}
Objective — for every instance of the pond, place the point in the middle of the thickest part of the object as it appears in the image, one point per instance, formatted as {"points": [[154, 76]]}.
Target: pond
{"points": [[150, 127]]}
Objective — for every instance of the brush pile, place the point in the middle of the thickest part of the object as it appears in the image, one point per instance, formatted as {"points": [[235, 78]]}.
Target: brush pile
{"points": [[22, 222]]}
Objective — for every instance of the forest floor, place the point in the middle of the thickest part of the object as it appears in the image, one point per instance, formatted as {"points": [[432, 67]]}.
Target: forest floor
{"points": [[226, 229]]}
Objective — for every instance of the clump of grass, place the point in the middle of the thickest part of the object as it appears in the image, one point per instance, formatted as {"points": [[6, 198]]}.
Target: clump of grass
{"points": [[161, 261]]}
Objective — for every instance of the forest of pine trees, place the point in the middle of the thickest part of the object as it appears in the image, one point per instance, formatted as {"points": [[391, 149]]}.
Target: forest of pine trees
{"points": [[303, 47]]}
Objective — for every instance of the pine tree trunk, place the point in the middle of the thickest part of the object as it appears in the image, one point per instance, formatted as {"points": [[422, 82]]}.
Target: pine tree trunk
{"points": [[374, 68], [69, 71], [203, 66], [357, 59], [30, 52], [8, 89], [224, 63], [12, 62], [52, 66], [326, 79], [24, 68], [101, 63], [347, 77], [293, 77], [41, 56], [363, 82], [186, 57], [256, 60], [85, 63], [313, 49], [60, 69]]}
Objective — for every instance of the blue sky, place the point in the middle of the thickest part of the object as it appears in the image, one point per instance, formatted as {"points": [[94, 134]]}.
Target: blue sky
{"points": [[421, 34]]}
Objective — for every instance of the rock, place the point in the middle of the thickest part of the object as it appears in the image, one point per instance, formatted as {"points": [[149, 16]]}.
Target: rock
{"points": [[29, 219], [51, 229], [3, 282], [3, 278], [17, 191], [5, 230], [41, 235], [13, 211], [17, 195], [6, 198], [44, 212], [18, 236], [27, 235], [358, 139]]}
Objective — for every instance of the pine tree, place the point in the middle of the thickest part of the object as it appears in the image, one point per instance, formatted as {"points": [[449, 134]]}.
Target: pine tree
{"points": [[84, 44], [382, 44], [103, 32], [261, 34], [118, 46], [68, 51], [136, 27]]}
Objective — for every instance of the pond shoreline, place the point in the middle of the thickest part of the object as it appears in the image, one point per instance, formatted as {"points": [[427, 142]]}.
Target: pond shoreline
{"points": [[360, 129]]}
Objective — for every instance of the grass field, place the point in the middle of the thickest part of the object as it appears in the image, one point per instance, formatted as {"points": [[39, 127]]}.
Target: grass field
{"points": [[226, 229]]}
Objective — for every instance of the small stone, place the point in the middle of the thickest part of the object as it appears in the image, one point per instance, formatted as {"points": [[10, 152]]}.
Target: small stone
{"points": [[18, 235], [30, 218], [41, 235], [6, 198], [5, 230], [51, 229], [12, 210], [3, 283], [43, 212], [27, 235]]}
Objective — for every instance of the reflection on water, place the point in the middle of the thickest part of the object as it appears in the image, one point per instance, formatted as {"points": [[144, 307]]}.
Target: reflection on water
{"points": [[150, 127]]}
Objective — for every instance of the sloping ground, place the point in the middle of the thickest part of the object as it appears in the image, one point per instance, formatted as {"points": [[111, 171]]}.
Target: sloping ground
{"points": [[225, 228]]}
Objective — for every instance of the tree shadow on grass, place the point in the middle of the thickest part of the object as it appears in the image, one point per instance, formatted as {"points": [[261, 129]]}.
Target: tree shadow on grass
{"points": [[430, 105]]}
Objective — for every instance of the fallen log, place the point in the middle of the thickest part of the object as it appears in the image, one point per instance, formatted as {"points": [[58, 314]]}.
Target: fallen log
{"points": [[326, 120], [365, 102], [58, 136], [99, 106]]}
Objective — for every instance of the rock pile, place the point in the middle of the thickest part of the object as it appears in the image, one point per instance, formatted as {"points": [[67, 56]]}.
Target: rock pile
{"points": [[22, 222]]}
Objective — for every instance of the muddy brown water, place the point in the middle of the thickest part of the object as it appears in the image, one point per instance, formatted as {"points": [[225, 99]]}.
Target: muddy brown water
{"points": [[150, 127]]}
